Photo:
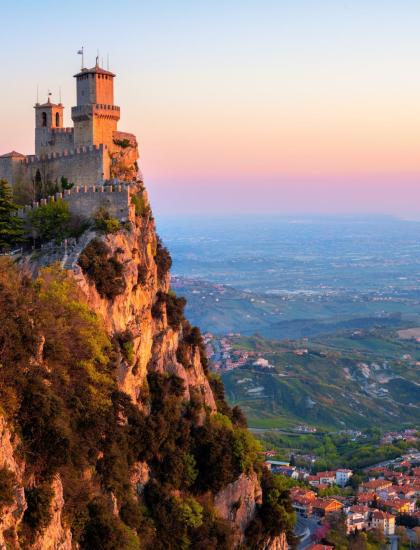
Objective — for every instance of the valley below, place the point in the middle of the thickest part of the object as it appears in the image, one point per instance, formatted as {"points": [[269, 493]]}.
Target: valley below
{"points": [[308, 322]]}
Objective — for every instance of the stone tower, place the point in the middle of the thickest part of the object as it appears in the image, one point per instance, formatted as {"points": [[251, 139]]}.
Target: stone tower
{"points": [[95, 116], [48, 117]]}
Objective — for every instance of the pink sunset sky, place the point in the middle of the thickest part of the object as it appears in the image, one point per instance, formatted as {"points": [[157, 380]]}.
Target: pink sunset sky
{"points": [[239, 107]]}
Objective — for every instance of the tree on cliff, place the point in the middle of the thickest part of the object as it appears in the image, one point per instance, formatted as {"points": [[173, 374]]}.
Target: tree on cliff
{"points": [[11, 227], [51, 221]]}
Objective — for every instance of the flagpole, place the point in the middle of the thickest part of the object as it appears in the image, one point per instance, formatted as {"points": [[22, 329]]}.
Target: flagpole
{"points": [[82, 53]]}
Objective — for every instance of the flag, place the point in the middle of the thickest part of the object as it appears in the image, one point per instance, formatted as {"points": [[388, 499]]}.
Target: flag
{"points": [[80, 52]]}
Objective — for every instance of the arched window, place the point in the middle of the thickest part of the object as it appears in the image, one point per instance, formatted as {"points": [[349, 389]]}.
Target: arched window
{"points": [[57, 120], [44, 118]]}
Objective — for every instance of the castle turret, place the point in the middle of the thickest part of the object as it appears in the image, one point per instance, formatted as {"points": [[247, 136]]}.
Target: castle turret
{"points": [[95, 117], [48, 117]]}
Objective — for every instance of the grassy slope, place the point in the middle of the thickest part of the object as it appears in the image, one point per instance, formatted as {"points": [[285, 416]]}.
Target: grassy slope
{"points": [[316, 389]]}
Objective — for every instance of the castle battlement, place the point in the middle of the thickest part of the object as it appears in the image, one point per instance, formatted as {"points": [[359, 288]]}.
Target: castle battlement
{"points": [[62, 130], [85, 201], [95, 107], [30, 159]]}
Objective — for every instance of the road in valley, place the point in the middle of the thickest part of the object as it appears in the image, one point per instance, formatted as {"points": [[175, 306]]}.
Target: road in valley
{"points": [[304, 529]]}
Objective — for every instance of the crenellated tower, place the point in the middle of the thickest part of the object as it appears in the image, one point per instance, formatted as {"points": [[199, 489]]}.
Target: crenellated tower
{"points": [[48, 117], [90, 153], [95, 116]]}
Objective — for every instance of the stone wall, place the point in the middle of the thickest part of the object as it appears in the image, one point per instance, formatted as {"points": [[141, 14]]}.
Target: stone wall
{"points": [[84, 202], [82, 166], [62, 139], [10, 168]]}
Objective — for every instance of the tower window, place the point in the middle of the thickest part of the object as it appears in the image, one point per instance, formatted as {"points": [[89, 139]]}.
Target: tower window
{"points": [[57, 119], [44, 119]]}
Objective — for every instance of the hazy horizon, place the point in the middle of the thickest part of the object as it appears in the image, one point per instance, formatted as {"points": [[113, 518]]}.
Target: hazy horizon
{"points": [[267, 106]]}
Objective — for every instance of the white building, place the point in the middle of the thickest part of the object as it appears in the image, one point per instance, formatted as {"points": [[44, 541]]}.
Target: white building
{"points": [[383, 522], [342, 477]]}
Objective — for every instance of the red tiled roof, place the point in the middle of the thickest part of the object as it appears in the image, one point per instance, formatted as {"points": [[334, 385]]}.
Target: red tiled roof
{"points": [[359, 508], [376, 484], [378, 514], [12, 154]]}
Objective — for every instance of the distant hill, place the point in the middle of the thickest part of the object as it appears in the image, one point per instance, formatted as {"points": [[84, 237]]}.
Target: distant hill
{"points": [[346, 380], [221, 309]]}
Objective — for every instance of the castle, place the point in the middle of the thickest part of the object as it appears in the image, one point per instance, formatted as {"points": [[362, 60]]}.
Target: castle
{"points": [[90, 153]]}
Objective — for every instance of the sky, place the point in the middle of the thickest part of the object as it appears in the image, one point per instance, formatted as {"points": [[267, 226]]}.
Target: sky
{"points": [[239, 106]]}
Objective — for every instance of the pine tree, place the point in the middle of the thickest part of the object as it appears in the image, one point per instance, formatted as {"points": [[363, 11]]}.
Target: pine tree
{"points": [[11, 227]]}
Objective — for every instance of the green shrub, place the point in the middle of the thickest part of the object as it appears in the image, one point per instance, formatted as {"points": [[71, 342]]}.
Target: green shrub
{"points": [[103, 269], [247, 450], [274, 516], [216, 463], [174, 308], [11, 227], [38, 513], [128, 351], [125, 341], [51, 222], [183, 354], [124, 143], [163, 260], [45, 429], [131, 513], [103, 530], [189, 512], [140, 206], [65, 184], [7, 482], [104, 222], [141, 274], [191, 338]]}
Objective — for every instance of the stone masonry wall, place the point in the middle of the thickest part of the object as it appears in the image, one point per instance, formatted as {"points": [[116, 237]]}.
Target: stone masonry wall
{"points": [[84, 202], [8, 168], [83, 166], [62, 139]]}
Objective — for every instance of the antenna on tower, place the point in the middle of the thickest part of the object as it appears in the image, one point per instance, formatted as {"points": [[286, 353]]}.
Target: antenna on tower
{"points": [[107, 61], [59, 93], [37, 94]]}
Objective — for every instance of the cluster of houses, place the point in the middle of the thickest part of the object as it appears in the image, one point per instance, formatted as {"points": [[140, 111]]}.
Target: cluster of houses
{"points": [[386, 495], [220, 351], [321, 480], [409, 435], [358, 517]]}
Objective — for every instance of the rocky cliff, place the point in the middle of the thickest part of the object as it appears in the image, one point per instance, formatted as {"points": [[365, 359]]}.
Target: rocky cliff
{"points": [[139, 440]]}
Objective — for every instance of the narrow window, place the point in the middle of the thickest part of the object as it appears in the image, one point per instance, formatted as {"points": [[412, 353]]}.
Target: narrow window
{"points": [[44, 119], [57, 120]]}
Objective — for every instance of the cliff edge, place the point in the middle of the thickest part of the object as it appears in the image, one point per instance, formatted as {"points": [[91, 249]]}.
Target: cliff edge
{"points": [[113, 431]]}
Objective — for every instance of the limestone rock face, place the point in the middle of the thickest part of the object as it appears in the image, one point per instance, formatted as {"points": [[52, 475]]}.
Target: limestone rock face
{"points": [[140, 475], [237, 503], [55, 536], [124, 157], [154, 342], [276, 543], [12, 514]]}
